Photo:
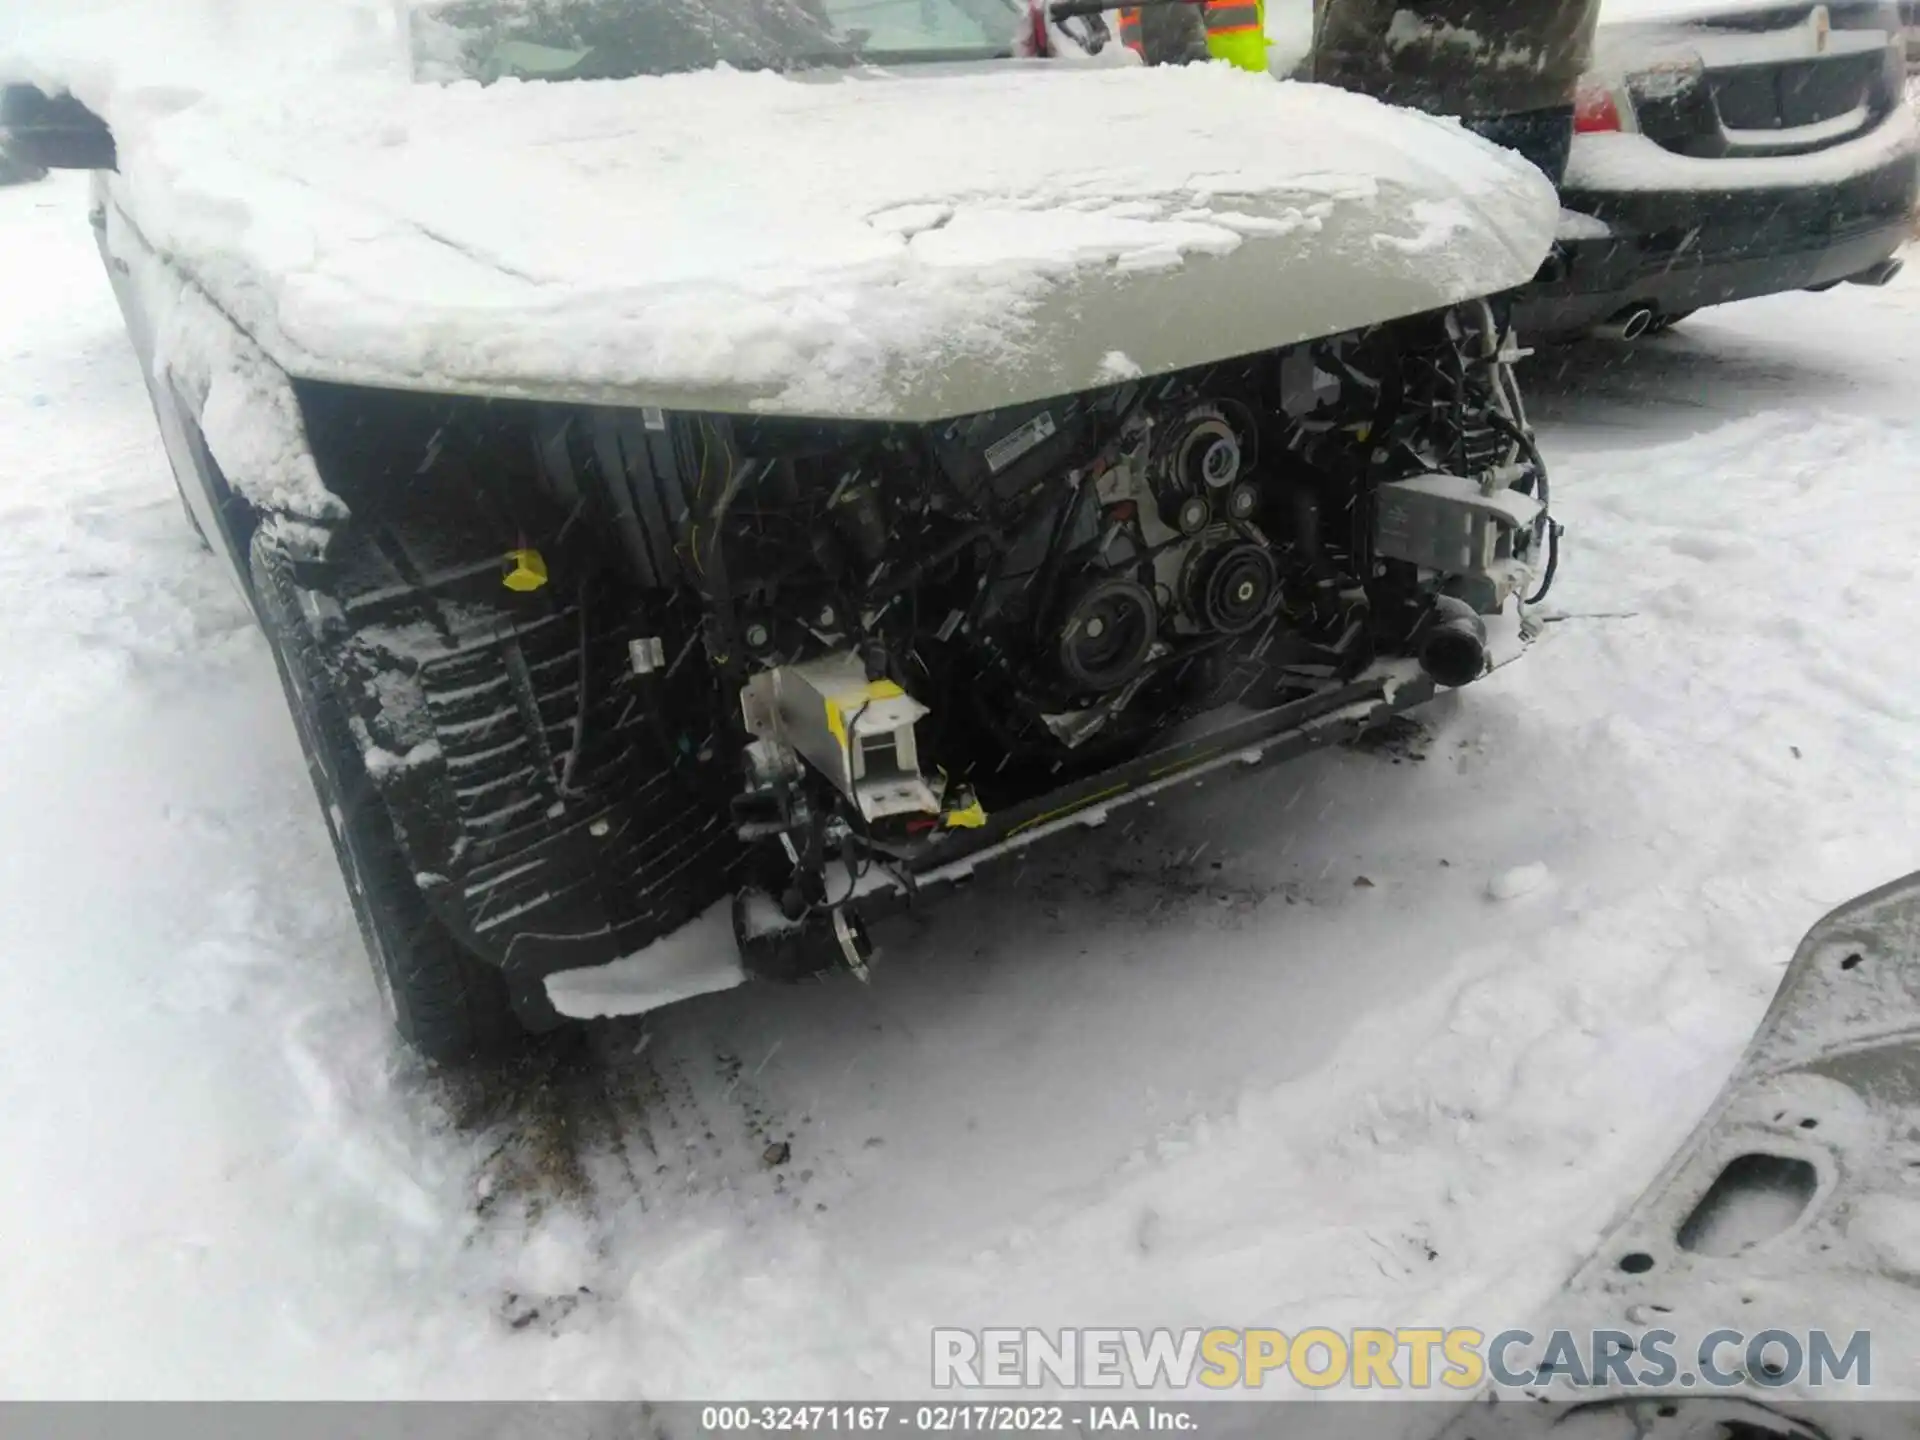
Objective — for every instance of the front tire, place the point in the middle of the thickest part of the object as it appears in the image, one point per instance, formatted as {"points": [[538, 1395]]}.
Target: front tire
{"points": [[445, 1003]]}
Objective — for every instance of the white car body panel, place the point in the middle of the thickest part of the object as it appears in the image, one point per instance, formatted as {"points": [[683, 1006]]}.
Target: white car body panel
{"points": [[906, 245]]}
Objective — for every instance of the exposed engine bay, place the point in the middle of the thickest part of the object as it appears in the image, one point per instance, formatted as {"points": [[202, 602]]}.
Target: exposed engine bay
{"points": [[930, 624], [637, 596], [808, 664]]}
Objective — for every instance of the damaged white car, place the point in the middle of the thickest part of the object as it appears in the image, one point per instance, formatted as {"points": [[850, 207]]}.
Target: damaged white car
{"points": [[715, 470]]}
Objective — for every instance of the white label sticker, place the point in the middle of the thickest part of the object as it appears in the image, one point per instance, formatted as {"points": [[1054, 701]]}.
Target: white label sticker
{"points": [[1009, 448]]}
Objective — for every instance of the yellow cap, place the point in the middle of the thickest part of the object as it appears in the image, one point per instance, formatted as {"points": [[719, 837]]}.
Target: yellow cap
{"points": [[525, 570], [967, 817]]}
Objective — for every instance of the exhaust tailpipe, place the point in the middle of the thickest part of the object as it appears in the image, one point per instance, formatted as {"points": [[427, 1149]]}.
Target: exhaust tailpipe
{"points": [[1879, 274], [1453, 649], [1628, 324]]}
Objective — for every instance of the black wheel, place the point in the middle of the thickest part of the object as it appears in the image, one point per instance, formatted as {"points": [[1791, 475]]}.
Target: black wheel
{"points": [[445, 1003]]}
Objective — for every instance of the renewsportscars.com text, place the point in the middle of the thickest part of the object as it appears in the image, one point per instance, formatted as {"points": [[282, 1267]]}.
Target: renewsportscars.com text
{"points": [[1401, 1358]]}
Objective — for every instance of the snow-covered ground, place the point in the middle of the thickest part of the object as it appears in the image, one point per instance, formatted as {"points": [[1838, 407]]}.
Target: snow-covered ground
{"points": [[1382, 1037]]}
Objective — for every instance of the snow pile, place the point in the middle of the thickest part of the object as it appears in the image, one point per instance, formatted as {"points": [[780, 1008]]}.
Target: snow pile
{"points": [[1521, 880], [694, 960], [907, 243], [244, 404]]}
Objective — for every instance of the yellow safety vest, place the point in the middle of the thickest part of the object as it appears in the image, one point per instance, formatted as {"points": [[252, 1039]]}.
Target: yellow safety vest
{"points": [[1236, 32]]}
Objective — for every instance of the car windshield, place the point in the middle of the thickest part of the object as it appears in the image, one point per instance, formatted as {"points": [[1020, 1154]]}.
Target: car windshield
{"points": [[616, 39]]}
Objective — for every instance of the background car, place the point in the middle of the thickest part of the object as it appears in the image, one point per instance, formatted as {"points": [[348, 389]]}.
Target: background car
{"points": [[1731, 154], [1721, 151]]}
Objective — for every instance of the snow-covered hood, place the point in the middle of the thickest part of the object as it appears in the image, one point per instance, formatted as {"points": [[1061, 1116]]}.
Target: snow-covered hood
{"points": [[907, 245]]}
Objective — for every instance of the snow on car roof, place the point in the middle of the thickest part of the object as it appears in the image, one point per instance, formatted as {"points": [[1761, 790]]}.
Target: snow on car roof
{"points": [[900, 244], [1628, 11]]}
